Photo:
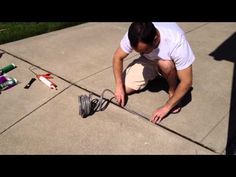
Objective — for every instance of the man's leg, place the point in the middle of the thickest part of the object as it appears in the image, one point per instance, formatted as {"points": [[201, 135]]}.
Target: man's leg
{"points": [[168, 70], [138, 73], [129, 91]]}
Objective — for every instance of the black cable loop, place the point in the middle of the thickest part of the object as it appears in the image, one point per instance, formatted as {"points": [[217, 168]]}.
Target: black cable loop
{"points": [[88, 106]]}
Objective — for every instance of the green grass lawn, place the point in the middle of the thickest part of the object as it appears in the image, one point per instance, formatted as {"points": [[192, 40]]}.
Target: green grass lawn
{"points": [[12, 31]]}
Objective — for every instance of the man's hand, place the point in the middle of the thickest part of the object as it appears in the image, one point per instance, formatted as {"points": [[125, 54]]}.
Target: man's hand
{"points": [[185, 77], [120, 95], [159, 114], [117, 69]]}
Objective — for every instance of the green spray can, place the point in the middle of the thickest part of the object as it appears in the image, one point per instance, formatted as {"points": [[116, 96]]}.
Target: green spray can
{"points": [[7, 68], [10, 82]]}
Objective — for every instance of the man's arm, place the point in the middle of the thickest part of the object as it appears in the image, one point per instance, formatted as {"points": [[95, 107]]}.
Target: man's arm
{"points": [[118, 57], [185, 77]]}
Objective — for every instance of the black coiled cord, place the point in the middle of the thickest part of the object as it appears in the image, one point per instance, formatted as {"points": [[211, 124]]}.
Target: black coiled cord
{"points": [[88, 106]]}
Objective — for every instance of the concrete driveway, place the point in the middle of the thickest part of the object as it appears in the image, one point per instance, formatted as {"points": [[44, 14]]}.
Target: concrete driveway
{"points": [[40, 120]]}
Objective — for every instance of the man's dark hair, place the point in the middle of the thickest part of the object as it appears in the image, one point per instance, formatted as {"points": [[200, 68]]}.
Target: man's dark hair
{"points": [[141, 32]]}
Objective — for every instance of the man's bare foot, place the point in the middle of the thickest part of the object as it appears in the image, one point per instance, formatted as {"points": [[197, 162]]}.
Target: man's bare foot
{"points": [[176, 109]]}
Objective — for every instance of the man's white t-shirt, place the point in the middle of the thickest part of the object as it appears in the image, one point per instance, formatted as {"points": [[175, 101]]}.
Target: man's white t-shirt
{"points": [[173, 46]]}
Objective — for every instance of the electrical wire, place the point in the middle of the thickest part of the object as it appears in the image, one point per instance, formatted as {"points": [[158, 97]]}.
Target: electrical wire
{"points": [[88, 106]]}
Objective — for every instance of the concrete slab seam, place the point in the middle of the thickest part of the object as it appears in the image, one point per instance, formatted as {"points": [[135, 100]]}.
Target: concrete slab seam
{"points": [[34, 110]]}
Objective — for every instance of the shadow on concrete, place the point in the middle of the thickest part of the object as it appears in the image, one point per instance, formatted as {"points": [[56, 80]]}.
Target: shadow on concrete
{"points": [[1, 54], [160, 84], [227, 51]]}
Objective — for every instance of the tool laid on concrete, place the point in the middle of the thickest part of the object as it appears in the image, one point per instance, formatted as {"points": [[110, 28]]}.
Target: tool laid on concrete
{"points": [[3, 78], [45, 79], [88, 106], [30, 83], [7, 68], [7, 82]]}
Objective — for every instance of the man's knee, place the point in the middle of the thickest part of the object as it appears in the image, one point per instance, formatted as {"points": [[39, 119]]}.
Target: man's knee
{"points": [[166, 67], [129, 90]]}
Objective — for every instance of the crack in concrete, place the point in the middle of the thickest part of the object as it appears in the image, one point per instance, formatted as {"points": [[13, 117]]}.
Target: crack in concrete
{"points": [[214, 127], [33, 110], [100, 71], [197, 28], [74, 84], [221, 120]]}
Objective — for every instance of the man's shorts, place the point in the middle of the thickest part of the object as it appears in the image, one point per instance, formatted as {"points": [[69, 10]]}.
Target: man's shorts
{"points": [[139, 73]]}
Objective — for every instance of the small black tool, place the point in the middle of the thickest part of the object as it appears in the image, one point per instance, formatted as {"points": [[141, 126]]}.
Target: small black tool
{"points": [[30, 83]]}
